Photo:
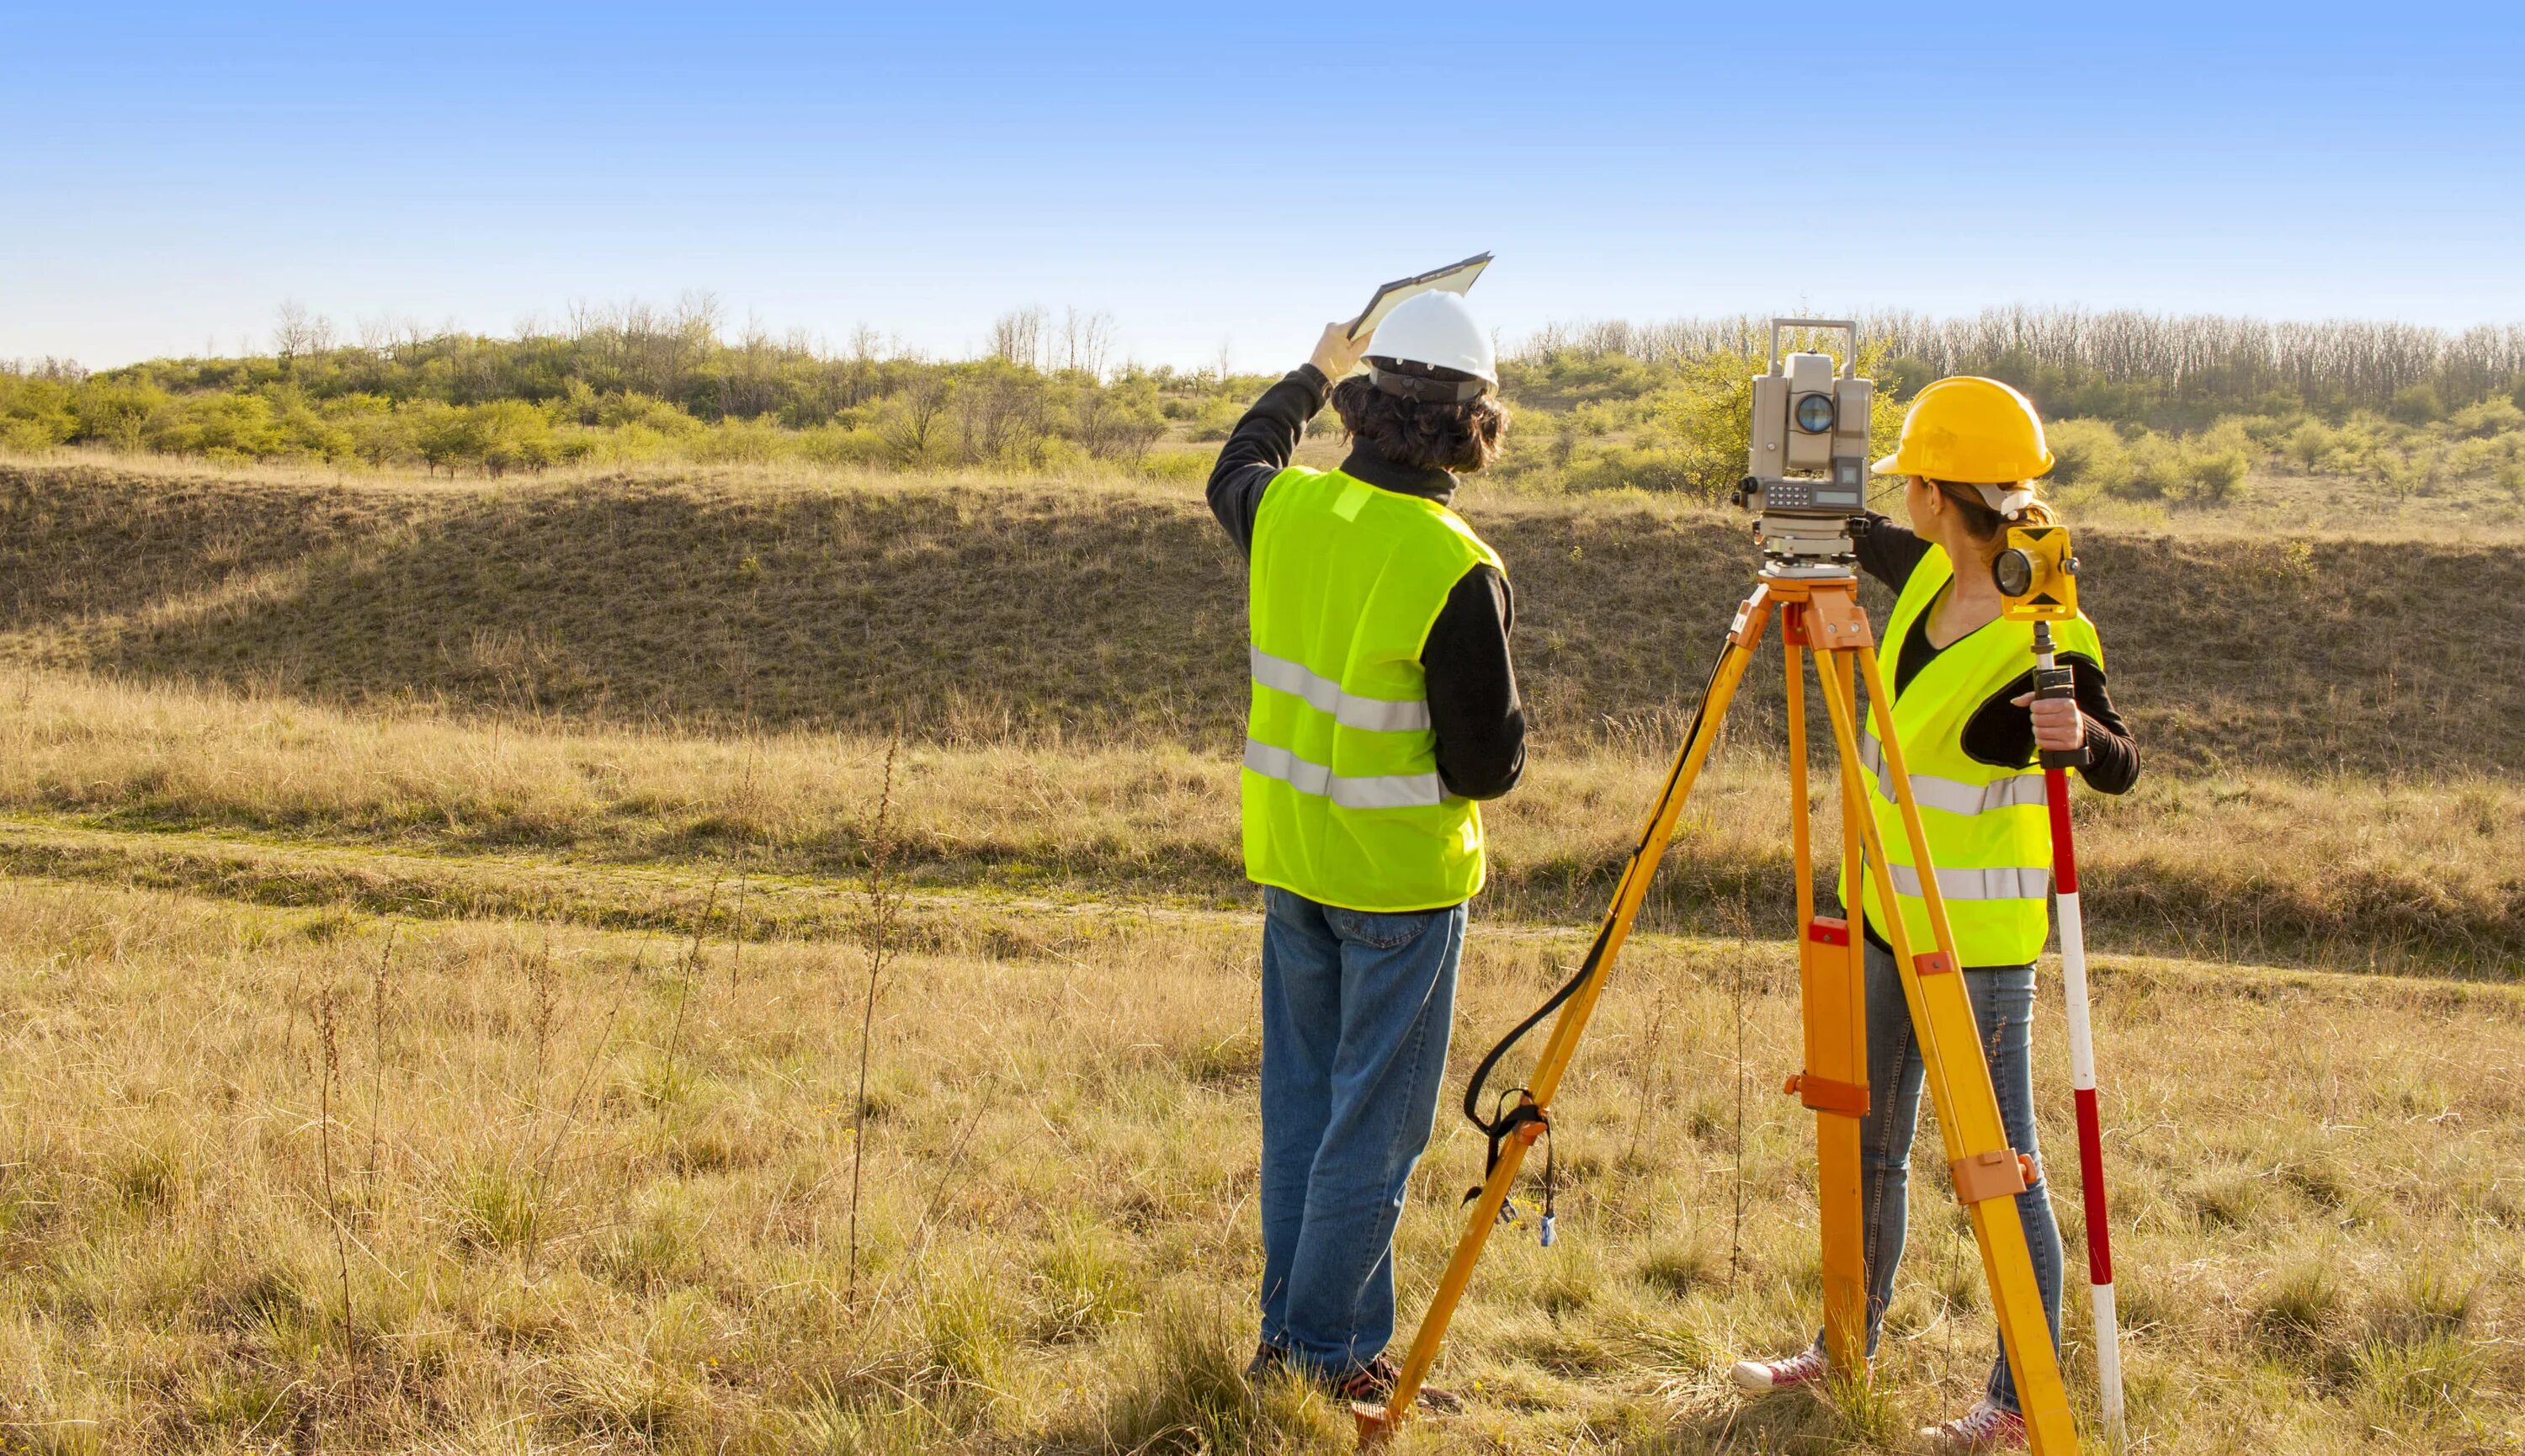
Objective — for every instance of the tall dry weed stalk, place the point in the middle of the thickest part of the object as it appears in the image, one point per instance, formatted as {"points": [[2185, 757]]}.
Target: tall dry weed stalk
{"points": [[329, 1058], [736, 939], [377, 1049], [548, 1161], [881, 908], [544, 1011], [688, 975], [1651, 1063]]}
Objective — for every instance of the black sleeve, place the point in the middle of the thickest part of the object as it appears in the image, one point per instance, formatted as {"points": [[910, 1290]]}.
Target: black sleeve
{"points": [[2001, 734], [1889, 552], [1260, 447], [1474, 705]]}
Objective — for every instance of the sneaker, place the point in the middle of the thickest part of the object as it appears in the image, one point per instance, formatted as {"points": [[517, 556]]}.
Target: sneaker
{"points": [[1267, 1357], [1373, 1384], [1984, 1428], [1803, 1368]]}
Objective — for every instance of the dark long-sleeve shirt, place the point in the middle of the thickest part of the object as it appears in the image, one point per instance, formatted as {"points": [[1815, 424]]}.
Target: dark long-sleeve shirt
{"points": [[2000, 734], [1474, 705]]}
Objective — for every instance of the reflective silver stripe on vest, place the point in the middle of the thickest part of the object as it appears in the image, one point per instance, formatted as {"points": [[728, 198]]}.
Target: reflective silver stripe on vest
{"points": [[1954, 796], [1324, 695], [1384, 792], [2010, 883]]}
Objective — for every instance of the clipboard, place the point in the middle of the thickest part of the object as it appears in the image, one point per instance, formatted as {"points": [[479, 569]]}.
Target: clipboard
{"points": [[1454, 277]]}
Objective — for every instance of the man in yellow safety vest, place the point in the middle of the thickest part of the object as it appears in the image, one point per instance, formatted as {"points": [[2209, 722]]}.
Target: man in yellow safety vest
{"points": [[1384, 706]]}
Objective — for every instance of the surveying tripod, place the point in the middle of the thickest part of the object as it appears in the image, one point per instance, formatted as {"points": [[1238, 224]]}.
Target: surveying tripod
{"points": [[1819, 613]]}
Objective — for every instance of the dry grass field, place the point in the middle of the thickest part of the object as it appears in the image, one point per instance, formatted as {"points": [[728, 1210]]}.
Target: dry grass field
{"points": [[435, 933], [99, 779], [308, 1179]]}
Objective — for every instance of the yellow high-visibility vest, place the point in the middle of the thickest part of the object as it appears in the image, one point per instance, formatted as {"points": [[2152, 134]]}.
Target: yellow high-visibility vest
{"points": [[1343, 803], [1988, 827]]}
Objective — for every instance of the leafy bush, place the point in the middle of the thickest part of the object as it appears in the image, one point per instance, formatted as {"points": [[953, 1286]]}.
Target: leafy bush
{"points": [[1633, 467], [2417, 404], [2089, 453], [2490, 417], [2207, 470], [1215, 418]]}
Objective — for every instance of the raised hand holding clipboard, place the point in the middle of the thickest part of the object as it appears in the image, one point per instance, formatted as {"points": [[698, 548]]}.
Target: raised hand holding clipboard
{"points": [[1454, 277]]}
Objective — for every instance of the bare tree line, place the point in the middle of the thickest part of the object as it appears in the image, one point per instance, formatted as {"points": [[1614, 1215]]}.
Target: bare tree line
{"points": [[2363, 361], [1028, 338]]}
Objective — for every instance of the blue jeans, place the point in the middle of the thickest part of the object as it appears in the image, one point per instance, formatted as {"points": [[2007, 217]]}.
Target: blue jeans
{"points": [[1356, 1013], [2003, 1005]]}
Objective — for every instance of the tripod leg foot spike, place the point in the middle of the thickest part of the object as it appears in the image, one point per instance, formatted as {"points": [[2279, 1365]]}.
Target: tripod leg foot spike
{"points": [[1375, 1428]]}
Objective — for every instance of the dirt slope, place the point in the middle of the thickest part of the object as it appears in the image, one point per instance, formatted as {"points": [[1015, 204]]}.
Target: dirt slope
{"points": [[963, 609]]}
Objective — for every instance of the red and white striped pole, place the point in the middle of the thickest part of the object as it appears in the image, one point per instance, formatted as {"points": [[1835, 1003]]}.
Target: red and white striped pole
{"points": [[2050, 681]]}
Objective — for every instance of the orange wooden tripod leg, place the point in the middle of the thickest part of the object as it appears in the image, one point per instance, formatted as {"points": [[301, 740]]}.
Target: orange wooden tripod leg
{"points": [[1958, 1080], [1833, 1002], [1376, 1425]]}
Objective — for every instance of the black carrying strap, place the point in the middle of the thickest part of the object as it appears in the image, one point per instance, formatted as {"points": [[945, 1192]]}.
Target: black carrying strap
{"points": [[1455, 389], [1504, 1120]]}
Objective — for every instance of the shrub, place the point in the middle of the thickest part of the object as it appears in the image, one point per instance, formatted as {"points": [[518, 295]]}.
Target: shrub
{"points": [[2490, 417], [2216, 463], [222, 427], [2417, 404], [504, 435], [1631, 467], [1175, 465], [2089, 453], [842, 444], [2209, 470], [739, 441], [1216, 418], [35, 412], [2214, 477], [116, 415]]}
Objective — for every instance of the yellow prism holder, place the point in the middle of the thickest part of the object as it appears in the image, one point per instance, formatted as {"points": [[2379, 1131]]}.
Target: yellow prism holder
{"points": [[1819, 615]]}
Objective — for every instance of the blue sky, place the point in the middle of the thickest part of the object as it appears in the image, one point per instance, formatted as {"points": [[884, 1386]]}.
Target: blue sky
{"points": [[1217, 177]]}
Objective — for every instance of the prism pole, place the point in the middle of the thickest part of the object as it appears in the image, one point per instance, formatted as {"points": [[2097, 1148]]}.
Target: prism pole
{"points": [[2051, 683]]}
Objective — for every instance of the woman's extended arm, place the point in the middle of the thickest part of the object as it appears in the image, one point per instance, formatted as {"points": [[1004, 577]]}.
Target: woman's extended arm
{"points": [[1888, 552], [2010, 726]]}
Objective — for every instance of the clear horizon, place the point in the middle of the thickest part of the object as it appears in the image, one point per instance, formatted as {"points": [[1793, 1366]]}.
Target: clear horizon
{"points": [[1192, 176]]}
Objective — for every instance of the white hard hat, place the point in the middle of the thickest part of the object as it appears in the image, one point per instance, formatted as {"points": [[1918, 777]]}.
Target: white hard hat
{"points": [[1435, 330]]}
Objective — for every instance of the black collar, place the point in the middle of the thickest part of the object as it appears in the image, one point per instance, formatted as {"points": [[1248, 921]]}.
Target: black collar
{"points": [[1426, 481]]}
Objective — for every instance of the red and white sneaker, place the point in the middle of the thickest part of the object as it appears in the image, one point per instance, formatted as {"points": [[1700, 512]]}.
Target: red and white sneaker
{"points": [[1984, 1428], [1803, 1368]]}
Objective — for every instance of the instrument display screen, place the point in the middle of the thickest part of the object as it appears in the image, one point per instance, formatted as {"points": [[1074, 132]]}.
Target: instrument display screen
{"points": [[1811, 496]]}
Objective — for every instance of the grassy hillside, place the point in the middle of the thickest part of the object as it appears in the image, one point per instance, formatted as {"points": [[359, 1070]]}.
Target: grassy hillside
{"points": [[1112, 613], [699, 673]]}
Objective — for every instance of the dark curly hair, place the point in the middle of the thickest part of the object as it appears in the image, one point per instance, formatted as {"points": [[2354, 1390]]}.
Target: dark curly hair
{"points": [[1448, 436]]}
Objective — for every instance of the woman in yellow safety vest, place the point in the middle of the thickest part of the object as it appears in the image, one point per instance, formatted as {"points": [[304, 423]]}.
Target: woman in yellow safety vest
{"points": [[1970, 729]]}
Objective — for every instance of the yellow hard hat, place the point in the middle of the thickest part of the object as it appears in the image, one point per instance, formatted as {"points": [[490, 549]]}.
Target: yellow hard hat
{"points": [[1970, 431]]}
